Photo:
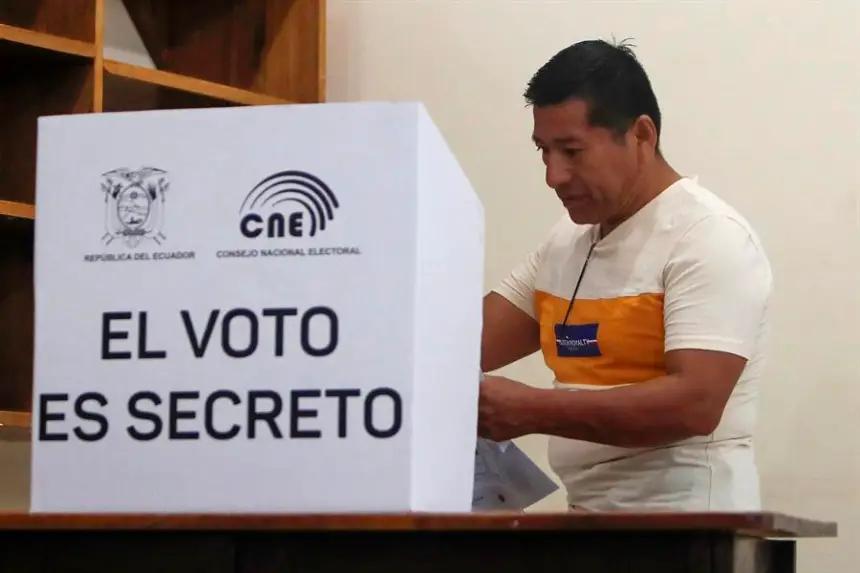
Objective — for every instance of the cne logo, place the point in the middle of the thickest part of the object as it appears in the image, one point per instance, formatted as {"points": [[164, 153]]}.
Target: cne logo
{"points": [[289, 203]]}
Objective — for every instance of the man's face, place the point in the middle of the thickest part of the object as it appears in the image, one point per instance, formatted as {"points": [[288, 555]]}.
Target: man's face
{"points": [[591, 169]]}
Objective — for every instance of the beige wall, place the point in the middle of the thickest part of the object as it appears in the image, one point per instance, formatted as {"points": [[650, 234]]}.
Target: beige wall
{"points": [[761, 99]]}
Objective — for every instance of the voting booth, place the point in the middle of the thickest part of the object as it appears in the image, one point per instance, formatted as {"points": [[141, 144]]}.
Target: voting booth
{"points": [[267, 309]]}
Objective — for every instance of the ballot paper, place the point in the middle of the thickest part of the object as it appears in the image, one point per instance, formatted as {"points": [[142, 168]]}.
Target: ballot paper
{"points": [[506, 478]]}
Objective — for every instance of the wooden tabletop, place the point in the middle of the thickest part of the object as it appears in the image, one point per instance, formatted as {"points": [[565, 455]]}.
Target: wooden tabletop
{"points": [[749, 524]]}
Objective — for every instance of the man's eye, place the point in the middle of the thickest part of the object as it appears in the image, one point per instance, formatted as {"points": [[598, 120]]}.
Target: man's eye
{"points": [[570, 152]]}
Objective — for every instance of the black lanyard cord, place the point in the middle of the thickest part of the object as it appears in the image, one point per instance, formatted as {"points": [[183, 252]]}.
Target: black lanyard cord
{"points": [[578, 282]]}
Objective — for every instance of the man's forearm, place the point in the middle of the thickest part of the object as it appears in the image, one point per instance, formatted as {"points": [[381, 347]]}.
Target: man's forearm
{"points": [[653, 413]]}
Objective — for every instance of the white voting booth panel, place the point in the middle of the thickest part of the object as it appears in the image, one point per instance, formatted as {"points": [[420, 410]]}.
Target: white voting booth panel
{"points": [[271, 309]]}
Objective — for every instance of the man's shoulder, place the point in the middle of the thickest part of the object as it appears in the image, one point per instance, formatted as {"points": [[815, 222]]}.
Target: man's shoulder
{"points": [[694, 207], [710, 230]]}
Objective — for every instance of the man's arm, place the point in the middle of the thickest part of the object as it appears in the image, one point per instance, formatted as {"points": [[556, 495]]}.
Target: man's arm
{"points": [[687, 402], [717, 284], [509, 333]]}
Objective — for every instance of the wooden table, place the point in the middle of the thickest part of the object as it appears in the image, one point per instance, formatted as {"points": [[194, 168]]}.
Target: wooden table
{"points": [[497, 543]]}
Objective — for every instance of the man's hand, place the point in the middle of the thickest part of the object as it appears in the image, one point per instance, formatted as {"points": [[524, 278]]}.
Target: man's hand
{"points": [[504, 408]]}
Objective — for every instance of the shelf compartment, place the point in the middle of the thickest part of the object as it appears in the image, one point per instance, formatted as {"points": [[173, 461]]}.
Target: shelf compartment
{"points": [[268, 46], [16, 321], [73, 19], [26, 93], [133, 88]]}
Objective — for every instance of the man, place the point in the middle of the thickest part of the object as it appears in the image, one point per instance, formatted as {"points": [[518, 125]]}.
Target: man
{"points": [[647, 300]]}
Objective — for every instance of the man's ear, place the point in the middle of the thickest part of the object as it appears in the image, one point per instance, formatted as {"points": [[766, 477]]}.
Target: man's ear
{"points": [[645, 132]]}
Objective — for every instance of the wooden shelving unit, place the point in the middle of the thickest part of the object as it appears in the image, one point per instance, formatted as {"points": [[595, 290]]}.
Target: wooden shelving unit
{"points": [[132, 88], [208, 53]]}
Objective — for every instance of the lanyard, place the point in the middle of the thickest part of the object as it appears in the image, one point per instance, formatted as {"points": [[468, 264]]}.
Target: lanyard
{"points": [[578, 282]]}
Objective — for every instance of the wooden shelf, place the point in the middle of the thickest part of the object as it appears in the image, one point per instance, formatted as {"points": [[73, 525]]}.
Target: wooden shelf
{"points": [[130, 88], [16, 217], [14, 426], [17, 210], [18, 43]]}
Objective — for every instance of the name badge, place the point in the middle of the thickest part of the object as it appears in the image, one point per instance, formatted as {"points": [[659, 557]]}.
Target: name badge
{"points": [[576, 340]]}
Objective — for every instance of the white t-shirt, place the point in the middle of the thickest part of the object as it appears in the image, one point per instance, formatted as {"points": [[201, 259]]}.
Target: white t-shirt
{"points": [[685, 272]]}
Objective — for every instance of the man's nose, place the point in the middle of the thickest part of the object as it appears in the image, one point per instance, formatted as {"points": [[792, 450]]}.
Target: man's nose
{"points": [[557, 173]]}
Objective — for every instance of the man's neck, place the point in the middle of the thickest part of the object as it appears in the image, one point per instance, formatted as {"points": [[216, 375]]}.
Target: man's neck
{"points": [[650, 186]]}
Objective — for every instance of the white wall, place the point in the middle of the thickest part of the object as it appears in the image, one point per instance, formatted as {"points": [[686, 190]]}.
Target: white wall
{"points": [[122, 42], [761, 99]]}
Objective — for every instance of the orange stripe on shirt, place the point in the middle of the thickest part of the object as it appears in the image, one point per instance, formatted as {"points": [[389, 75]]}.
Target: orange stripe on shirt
{"points": [[630, 336]]}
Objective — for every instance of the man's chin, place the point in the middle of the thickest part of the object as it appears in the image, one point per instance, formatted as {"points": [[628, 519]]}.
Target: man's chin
{"points": [[581, 217]]}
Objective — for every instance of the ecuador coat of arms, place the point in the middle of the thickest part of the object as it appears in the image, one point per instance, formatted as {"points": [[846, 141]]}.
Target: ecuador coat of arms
{"points": [[134, 205]]}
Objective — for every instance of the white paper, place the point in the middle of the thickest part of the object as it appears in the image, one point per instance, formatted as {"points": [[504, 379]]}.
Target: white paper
{"points": [[506, 478]]}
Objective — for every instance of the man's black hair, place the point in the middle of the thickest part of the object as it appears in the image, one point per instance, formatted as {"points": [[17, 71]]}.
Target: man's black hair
{"points": [[608, 77]]}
